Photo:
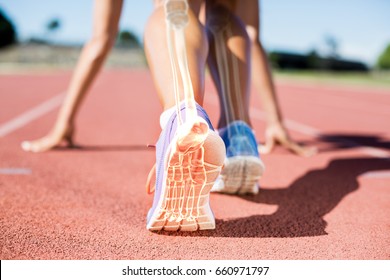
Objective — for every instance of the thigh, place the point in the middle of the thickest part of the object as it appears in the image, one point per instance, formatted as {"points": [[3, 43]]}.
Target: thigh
{"points": [[106, 17], [248, 12]]}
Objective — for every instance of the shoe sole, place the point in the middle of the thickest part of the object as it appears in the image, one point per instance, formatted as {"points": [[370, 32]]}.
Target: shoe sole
{"points": [[184, 200], [240, 175]]}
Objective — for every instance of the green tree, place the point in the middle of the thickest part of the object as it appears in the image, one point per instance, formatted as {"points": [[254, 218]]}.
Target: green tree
{"points": [[52, 27], [128, 39], [384, 59], [313, 59], [273, 58], [7, 31]]}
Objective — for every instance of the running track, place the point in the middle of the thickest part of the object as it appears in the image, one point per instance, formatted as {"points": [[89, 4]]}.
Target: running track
{"points": [[90, 203]]}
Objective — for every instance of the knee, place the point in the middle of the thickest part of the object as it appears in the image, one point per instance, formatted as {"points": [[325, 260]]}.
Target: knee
{"points": [[218, 17], [100, 45], [253, 35]]}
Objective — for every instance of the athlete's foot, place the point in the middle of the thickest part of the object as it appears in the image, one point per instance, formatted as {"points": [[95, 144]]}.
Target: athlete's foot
{"points": [[189, 160], [243, 166], [50, 141]]}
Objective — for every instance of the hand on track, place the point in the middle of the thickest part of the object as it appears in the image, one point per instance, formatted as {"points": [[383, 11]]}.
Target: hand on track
{"points": [[277, 134]]}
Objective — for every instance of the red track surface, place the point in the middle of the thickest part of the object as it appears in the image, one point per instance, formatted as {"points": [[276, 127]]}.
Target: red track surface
{"points": [[90, 203]]}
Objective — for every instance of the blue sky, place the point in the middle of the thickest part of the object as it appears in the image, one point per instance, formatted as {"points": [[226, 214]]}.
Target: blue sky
{"points": [[361, 27]]}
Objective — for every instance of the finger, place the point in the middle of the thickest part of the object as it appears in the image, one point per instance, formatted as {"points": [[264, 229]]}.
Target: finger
{"points": [[267, 147], [300, 149]]}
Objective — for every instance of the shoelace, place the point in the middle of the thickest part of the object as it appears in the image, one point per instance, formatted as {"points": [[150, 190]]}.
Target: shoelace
{"points": [[150, 189]]}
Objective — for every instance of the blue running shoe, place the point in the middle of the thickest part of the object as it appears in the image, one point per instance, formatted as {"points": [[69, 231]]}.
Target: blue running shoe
{"points": [[189, 158], [243, 166]]}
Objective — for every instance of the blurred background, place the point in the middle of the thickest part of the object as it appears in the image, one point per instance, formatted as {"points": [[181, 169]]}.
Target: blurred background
{"points": [[345, 41]]}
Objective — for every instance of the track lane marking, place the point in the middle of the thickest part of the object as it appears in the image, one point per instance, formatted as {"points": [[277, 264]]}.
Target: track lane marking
{"points": [[31, 115], [54, 102], [330, 89], [15, 171], [314, 132], [383, 174]]}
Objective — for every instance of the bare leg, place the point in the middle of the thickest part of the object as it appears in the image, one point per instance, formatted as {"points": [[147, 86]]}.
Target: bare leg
{"points": [[105, 27], [276, 132], [229, 60], [158, 59], [195, 153]]}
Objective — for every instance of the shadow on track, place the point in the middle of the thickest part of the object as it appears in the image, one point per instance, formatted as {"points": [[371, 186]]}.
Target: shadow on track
{"points": [[348, 141], [302, 205]]}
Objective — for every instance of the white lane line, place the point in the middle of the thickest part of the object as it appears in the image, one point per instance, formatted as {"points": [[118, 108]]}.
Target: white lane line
{"points": [[374, 152], [314, 132], [377, 174], [293, 125], [15, 171], [56, 101], [330, 89], [31, 115]]}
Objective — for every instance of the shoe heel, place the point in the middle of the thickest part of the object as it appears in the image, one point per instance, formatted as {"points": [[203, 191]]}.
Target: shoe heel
{"points": [[241, 174], [184, 207], [191, 135]]}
